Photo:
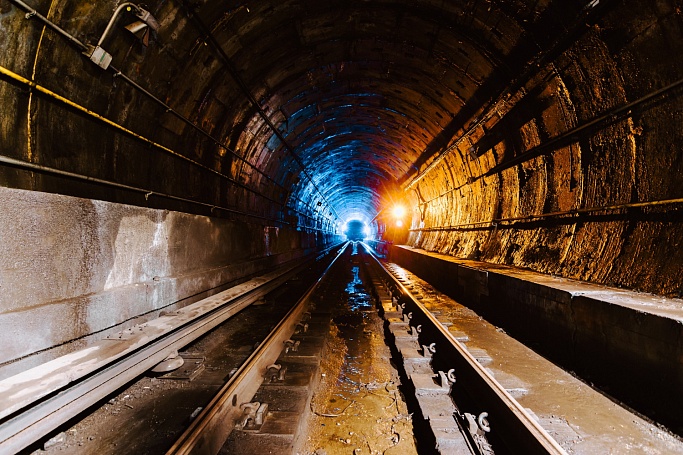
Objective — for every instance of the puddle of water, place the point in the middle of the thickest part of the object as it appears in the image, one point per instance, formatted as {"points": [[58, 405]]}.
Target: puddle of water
{"points": [[357, 298], [360, 410]]}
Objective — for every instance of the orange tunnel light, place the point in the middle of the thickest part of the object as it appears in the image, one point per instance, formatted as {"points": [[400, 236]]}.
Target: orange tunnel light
{"points": [[398, 211]]}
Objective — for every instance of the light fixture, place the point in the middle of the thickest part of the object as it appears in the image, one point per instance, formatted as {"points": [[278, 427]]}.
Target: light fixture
{"points": [[398, 211], [140, 28], [399, 223]]}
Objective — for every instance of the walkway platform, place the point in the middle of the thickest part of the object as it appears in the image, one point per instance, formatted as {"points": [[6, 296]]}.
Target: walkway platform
{"points": [[628, 344]]}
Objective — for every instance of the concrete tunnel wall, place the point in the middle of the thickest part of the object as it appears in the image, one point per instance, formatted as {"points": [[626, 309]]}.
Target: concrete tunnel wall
{"points": [[74, 270], [463, 95], [80, 260]]}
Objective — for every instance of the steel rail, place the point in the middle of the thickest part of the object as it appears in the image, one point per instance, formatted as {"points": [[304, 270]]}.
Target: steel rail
{"points": [[41, 399], [510, 422], [212, 427]]}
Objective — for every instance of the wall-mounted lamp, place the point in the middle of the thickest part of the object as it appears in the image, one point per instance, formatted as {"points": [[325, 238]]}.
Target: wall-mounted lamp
{"points": [[140, 28], [398, 211]]}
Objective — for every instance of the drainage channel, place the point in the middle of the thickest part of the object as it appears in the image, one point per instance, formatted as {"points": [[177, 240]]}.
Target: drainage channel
{"points": [[359, 406], [321, 383]]}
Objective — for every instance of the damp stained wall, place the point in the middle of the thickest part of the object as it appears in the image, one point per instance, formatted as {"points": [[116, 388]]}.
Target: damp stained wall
{"points": [[73, 270]]}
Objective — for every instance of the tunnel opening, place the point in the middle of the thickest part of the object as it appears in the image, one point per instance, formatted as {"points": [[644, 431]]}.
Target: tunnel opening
{"points": [[356, 230]]}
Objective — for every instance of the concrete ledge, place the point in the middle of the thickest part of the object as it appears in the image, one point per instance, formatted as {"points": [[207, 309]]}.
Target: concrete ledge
{"points": [[629, 344]]}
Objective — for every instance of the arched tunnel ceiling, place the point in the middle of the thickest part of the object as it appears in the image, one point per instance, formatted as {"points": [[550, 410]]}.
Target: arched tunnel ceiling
{"points": [[302, 114], [362, 92]]}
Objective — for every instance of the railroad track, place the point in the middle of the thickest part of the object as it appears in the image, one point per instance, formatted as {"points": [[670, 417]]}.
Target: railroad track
{"points": [[455, 394], [40, 400], [467, 410], [289, 350], [264, 403]]}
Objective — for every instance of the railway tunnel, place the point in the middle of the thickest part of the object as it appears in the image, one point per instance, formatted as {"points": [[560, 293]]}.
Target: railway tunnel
{"points": [[155, 154]]}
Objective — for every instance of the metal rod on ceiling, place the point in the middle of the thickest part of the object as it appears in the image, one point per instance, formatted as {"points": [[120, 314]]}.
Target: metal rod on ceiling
{"points": [[517, 83], [117, 11], [612, 115], [583, 211], [39, 88], [117, 73], [146, 192], [252, 100]]}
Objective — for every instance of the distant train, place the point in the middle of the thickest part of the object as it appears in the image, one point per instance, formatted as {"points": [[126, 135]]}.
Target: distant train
{"points": [[355, 230]]}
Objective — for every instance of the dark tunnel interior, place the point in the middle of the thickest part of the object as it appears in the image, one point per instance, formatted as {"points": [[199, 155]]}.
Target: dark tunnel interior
{"points": [[199, 142], [302, 115]]}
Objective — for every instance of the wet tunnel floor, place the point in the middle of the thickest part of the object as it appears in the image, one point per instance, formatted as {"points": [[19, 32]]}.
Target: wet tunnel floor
{"points": [[357, 407], [147, 415]]}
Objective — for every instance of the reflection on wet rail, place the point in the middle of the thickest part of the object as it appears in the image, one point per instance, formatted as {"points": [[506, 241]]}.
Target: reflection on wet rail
{"points": [[456, 394], [466, 409]]}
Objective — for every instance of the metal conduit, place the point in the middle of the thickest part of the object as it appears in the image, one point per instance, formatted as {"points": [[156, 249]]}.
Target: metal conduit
{"points": [[146, 192], [606, 208], [531, 69], [612, 115], [571, 135], [233, 72], [206, 134], [6, 72], [117, 73]]}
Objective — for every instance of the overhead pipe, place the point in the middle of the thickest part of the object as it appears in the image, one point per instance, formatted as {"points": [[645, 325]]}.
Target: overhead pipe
{"points": [[516, 84], [147, 192], [247, 92], [6, 72], [117, 73], [31, 12], [583, 211], [39, 88]]}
